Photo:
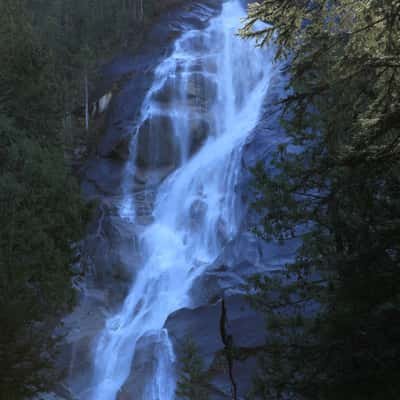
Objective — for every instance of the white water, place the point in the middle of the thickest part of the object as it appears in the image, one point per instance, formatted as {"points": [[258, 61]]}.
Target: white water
{"points": [[196, 208]]}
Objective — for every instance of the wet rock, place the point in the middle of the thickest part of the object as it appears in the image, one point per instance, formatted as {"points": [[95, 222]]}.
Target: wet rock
{"points": [[201, 91], [151, 177], [222, 232], [151, 351], [166, 93], [197, 212], [194, 43], [124, 110], [156, 144], [199, 130], [112, 248], [144, 203], [205, 64], [79, 328]]}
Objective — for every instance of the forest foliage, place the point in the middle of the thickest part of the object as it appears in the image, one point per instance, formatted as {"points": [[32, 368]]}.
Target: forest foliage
{"points": [[333, 314], [47, 47]]}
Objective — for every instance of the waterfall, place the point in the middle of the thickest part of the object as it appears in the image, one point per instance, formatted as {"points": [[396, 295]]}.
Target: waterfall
{"points": [[205, 100]]}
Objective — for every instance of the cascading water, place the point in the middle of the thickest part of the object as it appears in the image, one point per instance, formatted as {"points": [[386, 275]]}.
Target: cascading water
{"points": [[205, 100]]}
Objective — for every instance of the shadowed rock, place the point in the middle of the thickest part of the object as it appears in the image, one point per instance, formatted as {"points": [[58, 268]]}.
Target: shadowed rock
{"points": [[156, 144], [244, 326]]}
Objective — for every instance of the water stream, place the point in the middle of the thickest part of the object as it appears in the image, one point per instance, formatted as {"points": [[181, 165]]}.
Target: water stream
{"points": [[205, 100]]}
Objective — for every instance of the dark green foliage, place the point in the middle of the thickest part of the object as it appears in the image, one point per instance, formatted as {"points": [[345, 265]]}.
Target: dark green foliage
{"points": [[194, 380], [40, 216], [50, 52], [28, 88], [41, 213], [334, 313]]}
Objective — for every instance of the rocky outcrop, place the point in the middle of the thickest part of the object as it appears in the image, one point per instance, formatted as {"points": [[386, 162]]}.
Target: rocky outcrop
{"points": [[227, 335]]}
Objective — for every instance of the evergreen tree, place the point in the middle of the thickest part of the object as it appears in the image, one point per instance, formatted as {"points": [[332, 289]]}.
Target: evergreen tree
{"points": [[41, 215], [50, 51], [334, 312], [194, 380]]}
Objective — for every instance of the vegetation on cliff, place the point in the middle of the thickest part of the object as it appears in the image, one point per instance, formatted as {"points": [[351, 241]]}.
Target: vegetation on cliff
{"points": [[47, 50], [334, 312]]}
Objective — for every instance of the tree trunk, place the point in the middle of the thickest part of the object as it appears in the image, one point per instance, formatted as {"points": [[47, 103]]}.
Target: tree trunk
{"points": [[86, 102]]}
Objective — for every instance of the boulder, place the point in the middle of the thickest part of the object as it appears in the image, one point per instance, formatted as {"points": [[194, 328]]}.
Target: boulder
{"points": [[201, 325]]}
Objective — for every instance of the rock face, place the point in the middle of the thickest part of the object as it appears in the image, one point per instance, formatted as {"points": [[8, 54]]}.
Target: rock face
{"points": [[201, 91], [135, 75], [199, 130], [156, 144], [125, 106], [109, 251], [220, 317], [150, 353], [211, 327]]}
